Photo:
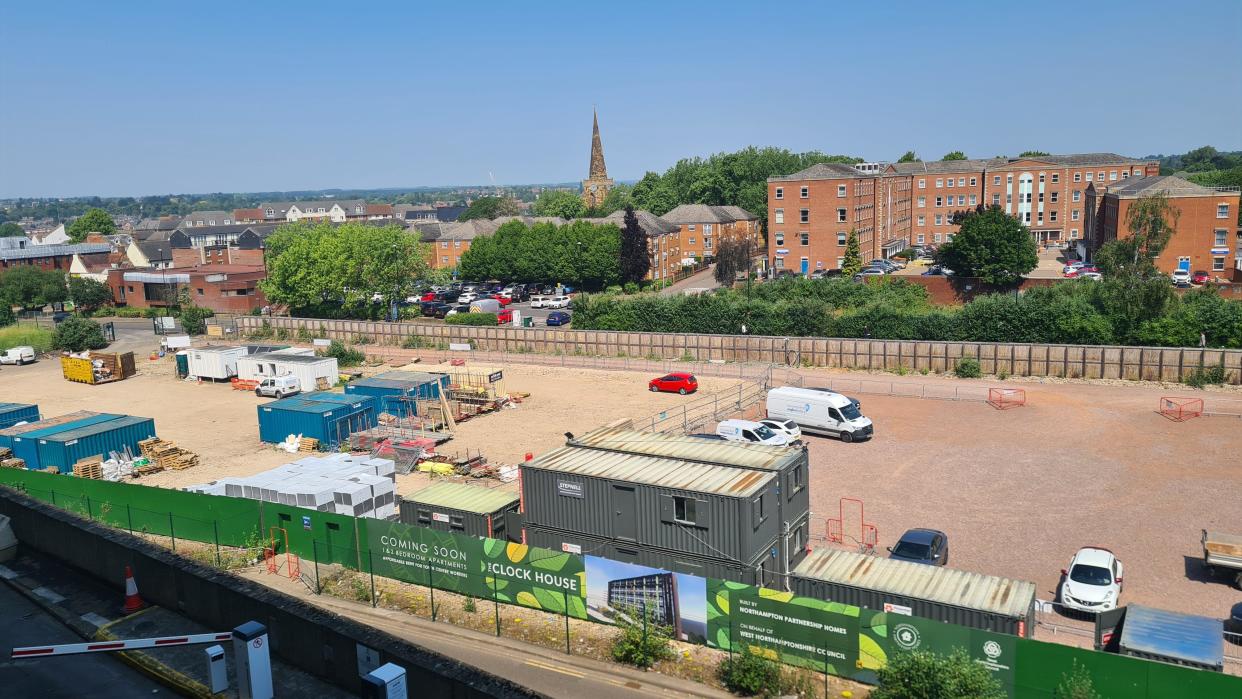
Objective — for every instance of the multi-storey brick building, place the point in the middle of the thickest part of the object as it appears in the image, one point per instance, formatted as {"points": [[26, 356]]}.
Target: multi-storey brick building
{"points": [[702, 228], [811, 213], [1204, 237]]}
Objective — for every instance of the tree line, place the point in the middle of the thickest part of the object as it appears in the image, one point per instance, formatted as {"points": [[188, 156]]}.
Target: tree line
{"points": [[579, 253]]}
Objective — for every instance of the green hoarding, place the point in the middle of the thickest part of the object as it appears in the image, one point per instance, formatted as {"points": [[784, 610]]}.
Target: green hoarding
{"points": [[997, 652]]}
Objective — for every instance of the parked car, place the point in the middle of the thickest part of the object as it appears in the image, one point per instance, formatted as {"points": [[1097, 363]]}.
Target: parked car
{"points": [[428, 308], [937, 271], [22, 354], [467, 297], [819, 412], [1093, 276], [557, 302], [1072, 265], [927, 546], [869, 272], [1181, 275], [1182, 284], [558, 318], [538, 301], [750, 431], [502, 299], [1200, 277], [445, 309], [278, 386], [505, 316], [461, 308], [1092, 582], [890, 265], [429, 296], [789, 428], [675, 382]]}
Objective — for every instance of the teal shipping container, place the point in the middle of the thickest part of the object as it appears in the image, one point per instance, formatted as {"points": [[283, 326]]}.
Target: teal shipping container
{"points": [[13, 413], [397, 390], [24, 440], [66, 447], [328, 417]]}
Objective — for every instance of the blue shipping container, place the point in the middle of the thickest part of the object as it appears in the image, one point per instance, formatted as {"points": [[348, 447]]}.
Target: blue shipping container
{"points": [[26, 444], [328, 417], [397, 390], [13, 413], [66, 448]]}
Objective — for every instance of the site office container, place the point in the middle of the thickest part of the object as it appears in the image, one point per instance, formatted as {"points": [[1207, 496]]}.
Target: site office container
{"points": [[464, 509], [308, 368], [790, 464], [761, 570], [1169, 637], [24, 440], [397, 390], [955, 596], [328, 417], [214, 362], [66, 447], [13, 413], [8, 434], [678, 506]]}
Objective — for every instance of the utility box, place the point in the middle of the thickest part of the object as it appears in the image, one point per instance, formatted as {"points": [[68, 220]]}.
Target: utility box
{"points": [[217, 669], [251, 652], [385, 682]]}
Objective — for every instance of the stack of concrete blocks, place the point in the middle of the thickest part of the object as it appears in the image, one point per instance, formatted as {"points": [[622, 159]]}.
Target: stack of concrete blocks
{"points": [[358, 486]]}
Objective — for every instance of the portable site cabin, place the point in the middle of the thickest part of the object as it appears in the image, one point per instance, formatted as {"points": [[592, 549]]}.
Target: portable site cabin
{"points": [[13, 413], [662, 512], [932, 592], [68, 446], [23, 440], [396, 391], [327, 417], [214, 362], [790, 464], [463, 508], [1169, 637], [308, 368]]}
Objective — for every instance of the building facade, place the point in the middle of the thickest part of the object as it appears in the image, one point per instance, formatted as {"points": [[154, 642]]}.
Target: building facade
{"points": [[1205, 236], [222, 288], [702, 228], [595, 187]]}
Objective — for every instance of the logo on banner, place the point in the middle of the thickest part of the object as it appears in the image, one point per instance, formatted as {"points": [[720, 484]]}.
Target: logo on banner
{"points": [[906, 636], [992, 649]]}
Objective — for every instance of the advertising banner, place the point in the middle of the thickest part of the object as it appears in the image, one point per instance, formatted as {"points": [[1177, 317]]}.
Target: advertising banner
{"points": [[619, 591]]}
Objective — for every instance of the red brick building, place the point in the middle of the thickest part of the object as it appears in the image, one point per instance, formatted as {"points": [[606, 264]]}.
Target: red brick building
{"points": [[703, 228], [1205, 233], [21, 251], [811, 213], [222, 288]]}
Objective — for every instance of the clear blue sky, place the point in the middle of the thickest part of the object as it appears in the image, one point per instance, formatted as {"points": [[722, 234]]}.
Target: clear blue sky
{"points": [[137, 98]]}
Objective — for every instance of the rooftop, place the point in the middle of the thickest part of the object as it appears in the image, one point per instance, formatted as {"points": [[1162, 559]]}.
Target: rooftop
{"points": [[1167, 185], [463, 496], [621, 437], [37, 251], [702, 213], [689, 476], [823, 171], [304, 359]]}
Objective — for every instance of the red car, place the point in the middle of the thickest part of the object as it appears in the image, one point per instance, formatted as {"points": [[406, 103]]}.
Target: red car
{"points": [[502, 300], [504, 317], [1200, 277], [676, 382], [429, 296]]}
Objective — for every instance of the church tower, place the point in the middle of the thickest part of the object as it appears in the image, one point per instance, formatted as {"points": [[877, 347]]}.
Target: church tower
{"points": [[595, 187]]}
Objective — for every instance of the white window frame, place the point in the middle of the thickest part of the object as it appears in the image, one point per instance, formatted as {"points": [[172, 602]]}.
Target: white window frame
{"points": [[1218, 264], [923, 184], [778, 216], [804, 192], [842, 190], [1078, 177], [842, 215], [940, 182], [780, 193], [1222, 211], [842, 238], [922, 220], [804, 215], [922, 202]]}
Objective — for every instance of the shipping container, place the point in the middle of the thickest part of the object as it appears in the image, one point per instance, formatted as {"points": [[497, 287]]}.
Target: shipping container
{"points": [[681, 507], [463, 508], [328, 417], [13, 413], [214, 362], [1169, 637], [397, 391], [66, 447], [308, 369], [791, 464], [762, 570], [24, 439], [933, 592]]}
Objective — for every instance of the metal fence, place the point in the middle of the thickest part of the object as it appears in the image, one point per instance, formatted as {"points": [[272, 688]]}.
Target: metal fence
{"points": [[698, 413], [903, 389]]}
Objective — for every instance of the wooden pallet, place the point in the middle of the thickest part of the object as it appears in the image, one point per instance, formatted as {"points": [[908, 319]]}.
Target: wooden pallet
{"points": [[91, 467], [13, 463], [166, 455], [308, 445]]}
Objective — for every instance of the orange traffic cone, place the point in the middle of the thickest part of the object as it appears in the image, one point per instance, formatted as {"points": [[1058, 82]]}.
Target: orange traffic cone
{"points": [[133, 601]]}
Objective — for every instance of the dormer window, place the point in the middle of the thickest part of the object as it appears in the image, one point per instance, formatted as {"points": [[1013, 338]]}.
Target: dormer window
{"points": [[269, 212]]}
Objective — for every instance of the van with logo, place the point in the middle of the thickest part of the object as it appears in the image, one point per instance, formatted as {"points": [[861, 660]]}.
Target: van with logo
{"points": [[750, 431], [821, 412]]}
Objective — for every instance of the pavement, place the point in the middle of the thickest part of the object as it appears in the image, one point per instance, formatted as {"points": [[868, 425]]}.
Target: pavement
{"points": [[698, 280]]}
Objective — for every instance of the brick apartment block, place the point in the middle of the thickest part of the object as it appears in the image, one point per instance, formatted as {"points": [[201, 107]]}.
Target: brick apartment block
{"points": [[811, 213]]}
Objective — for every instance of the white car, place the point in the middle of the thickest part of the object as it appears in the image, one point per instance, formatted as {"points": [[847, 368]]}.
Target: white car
{"points": [[538, 301], [1093, 276], [467, 297], [22, 354], [748, 431], [1092, 582], [556, 302], [1181, 275], [1072, 265], [789, 428]]}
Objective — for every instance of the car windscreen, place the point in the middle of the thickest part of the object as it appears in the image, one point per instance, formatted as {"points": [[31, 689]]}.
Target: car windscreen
{"points": [[850, 412], [1091, 575], [764, 432], [909, 549]]}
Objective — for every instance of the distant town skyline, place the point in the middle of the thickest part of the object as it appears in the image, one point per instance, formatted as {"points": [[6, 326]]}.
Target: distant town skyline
{"points": [[134, 101]]}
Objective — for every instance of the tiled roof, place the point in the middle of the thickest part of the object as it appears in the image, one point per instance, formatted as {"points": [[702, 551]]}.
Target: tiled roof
{"points": [[458, 230], [37, 251], [945, 166], [822, 171], [203, 218], [155, 250], [740, 214], [651, 224], [698, 213], [1159, 184], [1081, 159]]}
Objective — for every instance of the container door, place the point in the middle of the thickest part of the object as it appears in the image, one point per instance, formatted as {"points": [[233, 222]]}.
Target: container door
{"points": [[625, 519]]}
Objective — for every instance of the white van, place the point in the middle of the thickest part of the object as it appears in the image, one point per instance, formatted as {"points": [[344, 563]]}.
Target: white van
{"points": [[23, 354], [538, 301], [748, 431], [279, 386], [819, 411]]}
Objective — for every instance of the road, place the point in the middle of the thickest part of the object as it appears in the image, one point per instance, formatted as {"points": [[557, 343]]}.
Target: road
{"points": [[698, 280], [96, 675]]}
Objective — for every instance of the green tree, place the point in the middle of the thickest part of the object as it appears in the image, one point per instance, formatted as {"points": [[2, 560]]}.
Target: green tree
{"points": [[1077, 684], [853, 256], [1033, 154], [1134, 291], [560, 203], [77, 334], [9, 229], [580, 253], [488, 208], [909, 157], [7, 317], [93, 221], [32, 287], [992, 246], [635, 257], [926, 675], [617, 199], [88, 294], [732, 258], [954, 155]]}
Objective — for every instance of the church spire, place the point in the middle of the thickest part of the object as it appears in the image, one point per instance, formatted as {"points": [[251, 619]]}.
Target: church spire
{"points": [[598, 170]]}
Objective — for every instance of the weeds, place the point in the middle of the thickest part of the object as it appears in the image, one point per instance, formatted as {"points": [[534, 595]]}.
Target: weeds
{"points": [[968, 368], [1201, 377]]}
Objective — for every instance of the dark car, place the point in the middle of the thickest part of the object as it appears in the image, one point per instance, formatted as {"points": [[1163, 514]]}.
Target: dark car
{"points": [[934, 271], [927, 546], [428, 308], [442, 309], [1234, 625], [448, 296], [558, 318]]}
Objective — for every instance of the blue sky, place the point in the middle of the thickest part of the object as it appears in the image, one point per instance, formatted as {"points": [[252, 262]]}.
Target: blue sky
{"points": [[145, 98]]}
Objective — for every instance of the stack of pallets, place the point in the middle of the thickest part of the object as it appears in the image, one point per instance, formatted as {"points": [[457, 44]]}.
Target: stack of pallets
{"points": [[90, 467], [7, 460], [308, 445], [165, 454]]}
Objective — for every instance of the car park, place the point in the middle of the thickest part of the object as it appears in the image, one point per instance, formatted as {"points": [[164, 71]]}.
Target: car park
{"points": [[557, 318], [1093, 581], [819, 412], [926, 546], [675, 382], [750, 431], [789, 428]]}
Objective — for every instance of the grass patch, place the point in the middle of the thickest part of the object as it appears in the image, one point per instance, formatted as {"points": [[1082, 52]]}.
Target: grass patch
{"points": [[18, 335]]}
